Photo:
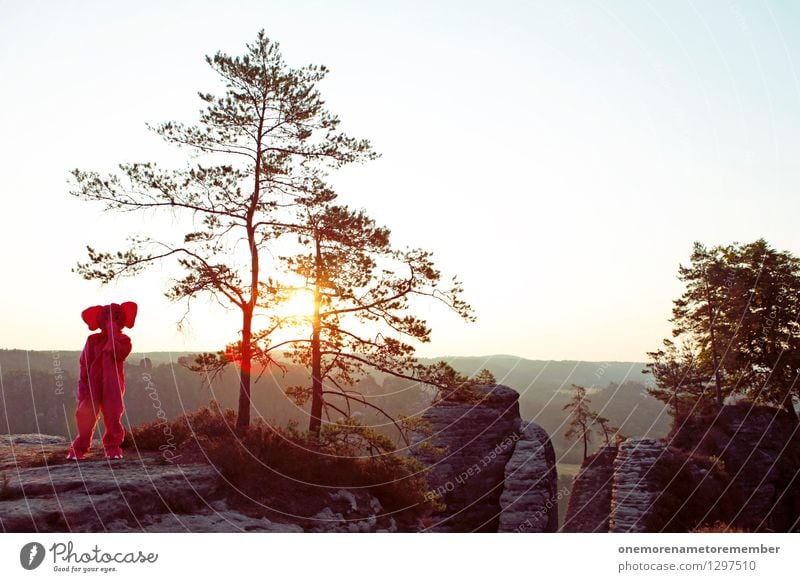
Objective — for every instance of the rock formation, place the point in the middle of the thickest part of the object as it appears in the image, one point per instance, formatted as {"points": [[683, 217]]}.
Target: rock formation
{"points": [[759, 448], [590, 499], [528, 502], [740, 468], [492, 471], [635, 488]]}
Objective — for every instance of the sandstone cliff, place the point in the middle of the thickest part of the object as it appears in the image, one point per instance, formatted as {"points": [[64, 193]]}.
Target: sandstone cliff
{"points": [[589, 505], [493, 471], [739, 468]]}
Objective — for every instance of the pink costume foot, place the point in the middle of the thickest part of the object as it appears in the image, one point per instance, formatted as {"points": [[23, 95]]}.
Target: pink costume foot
{"points": [[113, 453]]}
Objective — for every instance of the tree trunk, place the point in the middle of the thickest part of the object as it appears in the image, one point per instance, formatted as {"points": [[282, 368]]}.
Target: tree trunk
{"points": [[715, 361], [243, 417], [714, 358], [315, 422], [585, 444]]}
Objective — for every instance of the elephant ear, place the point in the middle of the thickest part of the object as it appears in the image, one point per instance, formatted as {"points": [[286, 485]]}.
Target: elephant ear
{"points": [[129, 311], [90, 316]]}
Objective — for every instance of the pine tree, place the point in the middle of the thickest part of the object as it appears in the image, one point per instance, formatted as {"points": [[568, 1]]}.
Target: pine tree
{"points": [[767, 346], [364, 293], [581, 418], [701, 311], [610, 433], [738, 327], [265, 141], [681, 382]]}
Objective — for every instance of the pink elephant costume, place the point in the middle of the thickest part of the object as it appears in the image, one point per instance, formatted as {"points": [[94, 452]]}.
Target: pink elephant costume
{"points": [[102, 381]]}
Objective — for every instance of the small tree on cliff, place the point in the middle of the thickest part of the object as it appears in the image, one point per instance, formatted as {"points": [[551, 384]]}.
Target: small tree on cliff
{"points": [[264, 141], [610, 433], [581, 418]]}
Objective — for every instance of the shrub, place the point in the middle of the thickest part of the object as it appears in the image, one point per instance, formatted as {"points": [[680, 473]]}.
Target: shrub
{"points": [[719, 527], [695, 493], [346, 454]]}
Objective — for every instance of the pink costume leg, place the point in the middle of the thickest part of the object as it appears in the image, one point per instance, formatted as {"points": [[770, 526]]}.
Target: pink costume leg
{"points": [[112, 407], [86, 419]]}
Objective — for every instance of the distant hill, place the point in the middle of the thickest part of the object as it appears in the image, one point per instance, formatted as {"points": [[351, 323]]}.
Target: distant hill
{"points": [[538, 379], [616, 389]]}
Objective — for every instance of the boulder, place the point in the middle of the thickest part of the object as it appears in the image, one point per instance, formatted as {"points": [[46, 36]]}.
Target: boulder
{"points": [[634, 488], [528, 503], [589, 504]]}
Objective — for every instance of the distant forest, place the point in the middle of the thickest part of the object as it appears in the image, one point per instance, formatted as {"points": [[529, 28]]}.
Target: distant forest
{"points": [[43, 400]]}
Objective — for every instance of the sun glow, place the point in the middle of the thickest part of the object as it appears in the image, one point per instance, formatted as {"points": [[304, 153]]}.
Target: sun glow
{"points": [[299, 303]]}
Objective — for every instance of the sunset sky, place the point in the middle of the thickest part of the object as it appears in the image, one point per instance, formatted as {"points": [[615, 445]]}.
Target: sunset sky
{"points": [[560, 157]]}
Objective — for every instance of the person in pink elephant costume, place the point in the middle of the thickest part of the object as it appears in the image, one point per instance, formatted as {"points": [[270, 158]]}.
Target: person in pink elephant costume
{"points": [[101, 386]]}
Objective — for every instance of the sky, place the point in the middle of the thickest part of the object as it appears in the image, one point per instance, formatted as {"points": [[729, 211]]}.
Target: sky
{"points": [[559, 157]]}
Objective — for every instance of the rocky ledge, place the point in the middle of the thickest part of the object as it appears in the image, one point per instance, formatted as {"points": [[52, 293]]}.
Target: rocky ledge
{"points": [[40, 491], [490, 471]]}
